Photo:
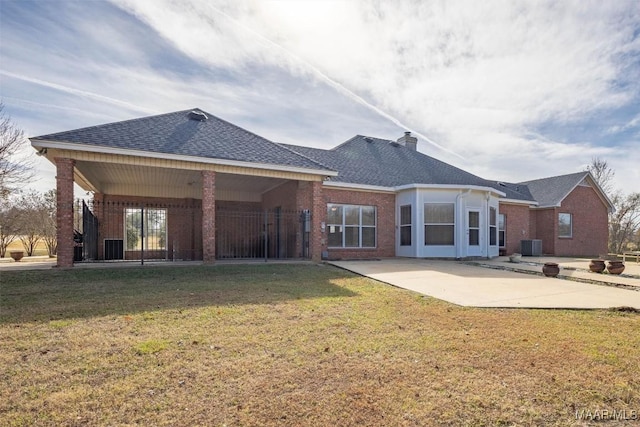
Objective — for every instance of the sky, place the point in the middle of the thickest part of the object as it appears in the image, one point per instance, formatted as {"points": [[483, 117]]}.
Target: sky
{"points": [[507, 90]]}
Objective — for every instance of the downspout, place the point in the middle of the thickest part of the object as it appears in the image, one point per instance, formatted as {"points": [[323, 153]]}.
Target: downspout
{"points": [[487, 223], [460, 238]]}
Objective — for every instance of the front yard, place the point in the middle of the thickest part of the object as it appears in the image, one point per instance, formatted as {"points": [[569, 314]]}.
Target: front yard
{"points": [[296, 345]]}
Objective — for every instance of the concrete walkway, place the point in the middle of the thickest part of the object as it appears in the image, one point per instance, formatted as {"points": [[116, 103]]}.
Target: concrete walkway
{"points": [[472, 285]]}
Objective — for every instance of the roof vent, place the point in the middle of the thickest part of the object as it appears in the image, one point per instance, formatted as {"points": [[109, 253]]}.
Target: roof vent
{"points": [[368, 139], [502, 184], [197, 115]]}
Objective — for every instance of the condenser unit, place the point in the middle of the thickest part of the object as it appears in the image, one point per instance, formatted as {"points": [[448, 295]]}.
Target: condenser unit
{"points": [[531, 247]]}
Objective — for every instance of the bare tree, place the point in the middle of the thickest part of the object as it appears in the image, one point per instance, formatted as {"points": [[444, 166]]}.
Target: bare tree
{"points": [[14, 169], [9, 216], [48, 222], [624, 223], [602, 173], [29, 220]]}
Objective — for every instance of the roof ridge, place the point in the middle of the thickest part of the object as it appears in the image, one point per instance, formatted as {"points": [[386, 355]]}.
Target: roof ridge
{"points": [[555, 176], [287, 147]]}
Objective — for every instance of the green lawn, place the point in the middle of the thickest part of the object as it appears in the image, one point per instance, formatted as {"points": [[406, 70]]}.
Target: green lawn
{"points": [[295, 345]]}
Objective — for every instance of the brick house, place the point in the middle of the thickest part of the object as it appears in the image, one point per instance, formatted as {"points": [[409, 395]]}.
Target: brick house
{"points": [[188, 185]]}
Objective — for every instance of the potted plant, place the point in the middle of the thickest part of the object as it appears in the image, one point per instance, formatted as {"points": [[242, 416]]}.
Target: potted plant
{"points": [[515, 257], [615, 267], [16, 255]]}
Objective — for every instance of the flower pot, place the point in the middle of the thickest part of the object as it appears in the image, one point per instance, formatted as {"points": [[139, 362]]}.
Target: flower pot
{"points": [[597, 265], [515, 257], [16, 255], [550, 269], [615, 267]]}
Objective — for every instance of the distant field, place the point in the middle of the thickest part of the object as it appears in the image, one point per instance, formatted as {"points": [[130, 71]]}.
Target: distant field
{"points": [[16, 245]]}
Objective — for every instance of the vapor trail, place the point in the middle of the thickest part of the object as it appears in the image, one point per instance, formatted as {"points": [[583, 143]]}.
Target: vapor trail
{"points": [[78, 92], [334, 84]]}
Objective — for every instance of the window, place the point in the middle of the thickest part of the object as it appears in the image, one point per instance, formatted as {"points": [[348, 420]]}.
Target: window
{"points": [[565, 225], [502, 222], [153, 231], [439, 224], [405, 225], [493, 229], [351, 226]]}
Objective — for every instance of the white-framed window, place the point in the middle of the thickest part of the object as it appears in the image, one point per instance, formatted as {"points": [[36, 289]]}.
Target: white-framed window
{"points": [[439, 224], [148, 225], [351, 226], [493, 226], [502, 223], [405, 225], [565, 225]]}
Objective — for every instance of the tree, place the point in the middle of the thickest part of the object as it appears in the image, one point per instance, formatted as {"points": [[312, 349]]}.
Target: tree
{"points": [[8, 225], [602, 173], [48, 226], [29, 220], [14, 169], [624, 222]]}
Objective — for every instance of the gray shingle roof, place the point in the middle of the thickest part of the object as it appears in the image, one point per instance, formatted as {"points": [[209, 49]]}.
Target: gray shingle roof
{"points": [[381, 162], [551, 191], [176, 133]]}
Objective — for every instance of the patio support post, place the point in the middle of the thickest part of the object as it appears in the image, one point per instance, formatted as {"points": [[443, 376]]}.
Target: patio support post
{"points": [[318, 217], [208, 217], [64, 213]]}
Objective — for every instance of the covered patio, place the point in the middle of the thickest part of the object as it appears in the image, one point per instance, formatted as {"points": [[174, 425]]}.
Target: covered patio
{"points": [[162, 204]]}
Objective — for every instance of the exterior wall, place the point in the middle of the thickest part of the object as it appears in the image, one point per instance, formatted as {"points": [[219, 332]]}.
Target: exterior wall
{"points": [[546, 228], [517, 226], [208, 217], [590, 224], [385, 222]]}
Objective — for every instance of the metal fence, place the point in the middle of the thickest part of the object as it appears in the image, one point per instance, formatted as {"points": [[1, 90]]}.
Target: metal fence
{"points": [[129, 230]]}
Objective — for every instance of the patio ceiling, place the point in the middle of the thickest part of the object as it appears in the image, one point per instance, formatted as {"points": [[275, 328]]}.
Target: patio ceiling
{"points": [[135, 180]]}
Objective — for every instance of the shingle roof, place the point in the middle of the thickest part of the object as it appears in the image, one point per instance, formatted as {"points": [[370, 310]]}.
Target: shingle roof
{"points": [[176, 133], [551, 191], [381, 162]]}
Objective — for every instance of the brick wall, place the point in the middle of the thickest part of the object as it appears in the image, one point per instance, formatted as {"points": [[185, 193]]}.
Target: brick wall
{"points": [[590, 224], [208, 217], [546, 229], [386, 224], [517, 226]]}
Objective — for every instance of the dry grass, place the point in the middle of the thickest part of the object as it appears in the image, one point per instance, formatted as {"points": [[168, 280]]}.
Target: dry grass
{"points": [[295, 345], [16, 245]]}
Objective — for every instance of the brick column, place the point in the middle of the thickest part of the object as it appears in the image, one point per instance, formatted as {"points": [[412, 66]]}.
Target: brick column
{"points": [[318, 216], [64, 214], [208, 217]]}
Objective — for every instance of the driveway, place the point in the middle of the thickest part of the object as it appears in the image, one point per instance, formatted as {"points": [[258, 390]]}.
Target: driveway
{"points": [[475, 286]]}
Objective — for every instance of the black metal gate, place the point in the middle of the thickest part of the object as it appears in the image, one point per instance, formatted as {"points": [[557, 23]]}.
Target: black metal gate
{"points": [[262, 234], [89, 234]]}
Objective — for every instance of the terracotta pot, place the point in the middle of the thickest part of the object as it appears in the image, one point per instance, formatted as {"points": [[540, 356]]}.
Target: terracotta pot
{"points": [[550, 269], [615, 267], [16, 255], [597, 265]]}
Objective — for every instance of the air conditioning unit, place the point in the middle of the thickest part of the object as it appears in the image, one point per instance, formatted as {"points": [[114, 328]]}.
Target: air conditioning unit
{"points": [[531, 247]]}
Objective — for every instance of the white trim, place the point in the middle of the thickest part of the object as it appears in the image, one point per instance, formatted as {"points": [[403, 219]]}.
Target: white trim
{"points": [[530, 203], [448, 187], [349, 186], [363, 187], [166, 156]]}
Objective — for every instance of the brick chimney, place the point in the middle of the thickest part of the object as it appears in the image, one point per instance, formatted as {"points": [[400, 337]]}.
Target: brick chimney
{"points": [[411, 142]]}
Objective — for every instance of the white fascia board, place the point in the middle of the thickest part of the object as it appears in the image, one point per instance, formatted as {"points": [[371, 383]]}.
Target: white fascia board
{"points": [[449, 187], [165, 156], [362, 187], [519, 202]]}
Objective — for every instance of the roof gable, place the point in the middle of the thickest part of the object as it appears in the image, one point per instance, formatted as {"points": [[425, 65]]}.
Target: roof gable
{"points": [[550, 192], [194, 133]]}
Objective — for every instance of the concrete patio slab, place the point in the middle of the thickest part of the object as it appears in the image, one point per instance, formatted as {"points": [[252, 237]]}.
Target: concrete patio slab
{"points": [[469, 285]]}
